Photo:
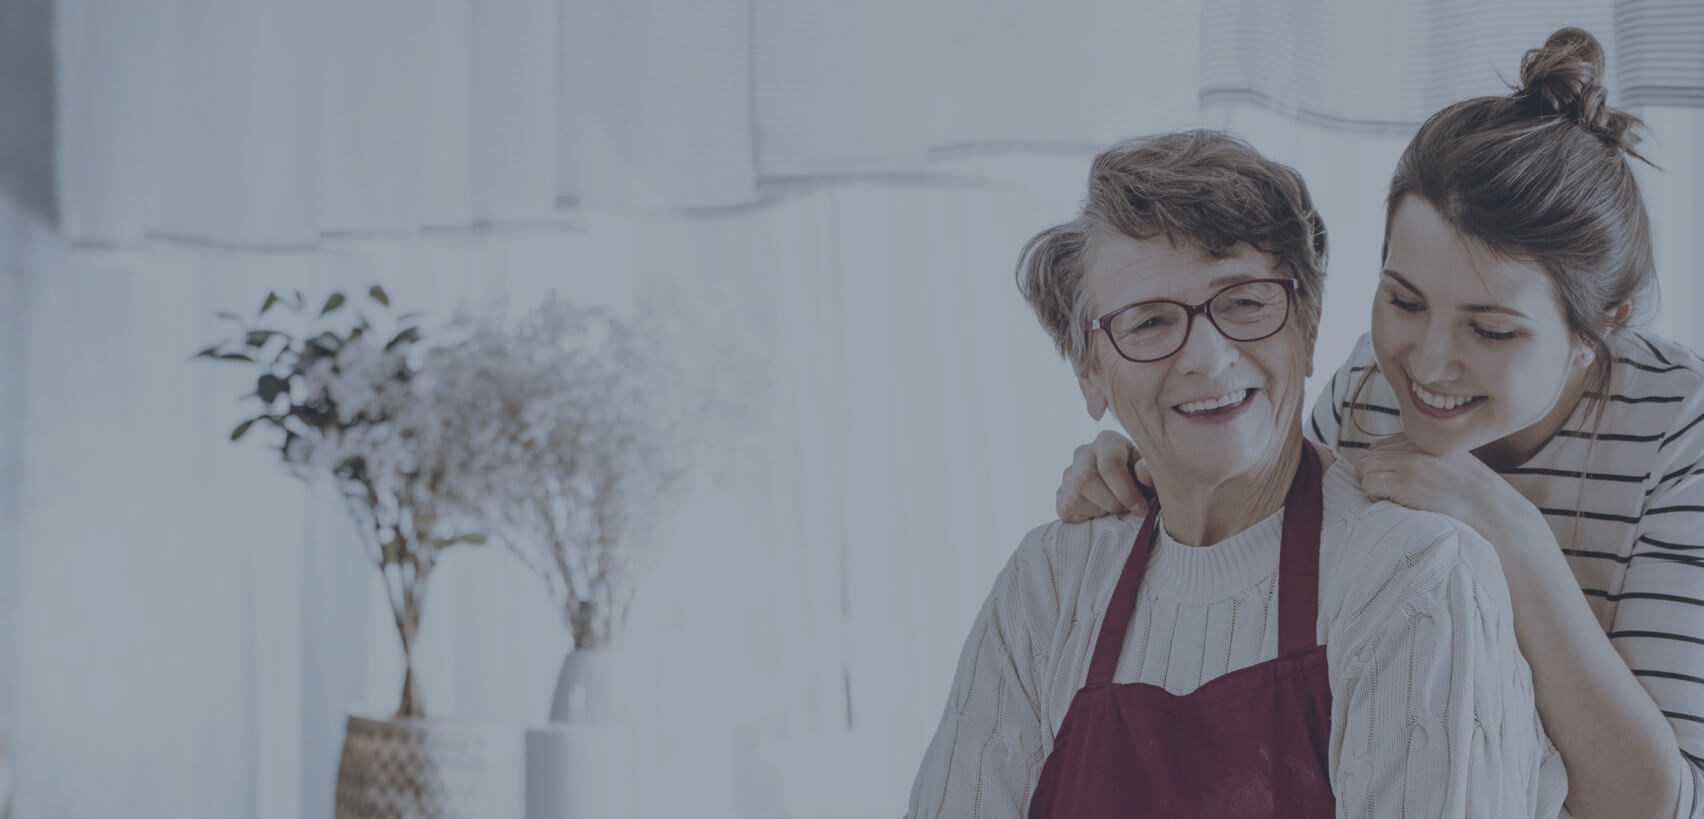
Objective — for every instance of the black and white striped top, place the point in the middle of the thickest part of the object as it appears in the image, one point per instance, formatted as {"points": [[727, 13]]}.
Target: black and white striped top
{"points": [[1627, 508]]}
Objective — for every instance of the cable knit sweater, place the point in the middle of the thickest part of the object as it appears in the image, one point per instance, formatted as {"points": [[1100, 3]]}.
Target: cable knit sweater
{"points": [[1432, 703]]}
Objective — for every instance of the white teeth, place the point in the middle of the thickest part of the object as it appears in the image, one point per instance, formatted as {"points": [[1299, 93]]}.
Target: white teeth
{"points": [[1443, 402], [1229, 398]]}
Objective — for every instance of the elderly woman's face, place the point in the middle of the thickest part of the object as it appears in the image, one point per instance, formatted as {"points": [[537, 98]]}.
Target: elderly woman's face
{"points": [[1216, 408]]}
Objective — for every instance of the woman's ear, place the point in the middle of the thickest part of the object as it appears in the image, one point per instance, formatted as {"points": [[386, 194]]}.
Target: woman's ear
{"points": [[1618, 314], [1313, 339], [1093, 398]]}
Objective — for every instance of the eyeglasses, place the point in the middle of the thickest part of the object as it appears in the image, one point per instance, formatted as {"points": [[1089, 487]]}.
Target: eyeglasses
{"points": [[1151, 330]]}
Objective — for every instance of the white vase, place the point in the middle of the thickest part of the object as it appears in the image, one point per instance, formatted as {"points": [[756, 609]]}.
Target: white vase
{"points": [[580, 765], [420, 768], [588, 687]]}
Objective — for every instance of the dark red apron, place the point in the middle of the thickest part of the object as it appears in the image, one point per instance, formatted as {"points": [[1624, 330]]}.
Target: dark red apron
{"points": [[1253, 742]]}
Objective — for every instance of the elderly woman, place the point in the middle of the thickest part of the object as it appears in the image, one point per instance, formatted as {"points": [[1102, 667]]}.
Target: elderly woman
{"points": [[1266, 641]]}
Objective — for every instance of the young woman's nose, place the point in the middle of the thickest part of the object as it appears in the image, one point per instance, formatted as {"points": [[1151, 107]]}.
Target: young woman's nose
{"points": [[1432, 359]]}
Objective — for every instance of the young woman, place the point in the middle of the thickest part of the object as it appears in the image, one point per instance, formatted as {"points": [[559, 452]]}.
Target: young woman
{"points": [[1502, 385]]}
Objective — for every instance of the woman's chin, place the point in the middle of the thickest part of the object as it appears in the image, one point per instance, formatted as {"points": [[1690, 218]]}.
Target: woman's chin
{"points": [[1214, 465], [1439, 445]]}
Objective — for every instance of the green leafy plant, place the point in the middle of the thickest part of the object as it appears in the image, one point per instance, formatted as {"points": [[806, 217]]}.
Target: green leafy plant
{"points": [[348, 397]]}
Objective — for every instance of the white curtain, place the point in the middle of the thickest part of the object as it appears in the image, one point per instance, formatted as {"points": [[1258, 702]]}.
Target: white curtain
{"points": [[836, 192], [264, 124], [1384, 66], [1662, 61], [1381, 66], [12, 386]]}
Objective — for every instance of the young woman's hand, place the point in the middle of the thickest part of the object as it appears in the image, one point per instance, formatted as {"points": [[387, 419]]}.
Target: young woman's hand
{"points": [[1106, 477], [1458, 485]]}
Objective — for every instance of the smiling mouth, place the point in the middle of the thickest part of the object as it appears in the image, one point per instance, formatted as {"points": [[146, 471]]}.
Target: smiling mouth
{"points": [[1440, 402], [1229, 399]]}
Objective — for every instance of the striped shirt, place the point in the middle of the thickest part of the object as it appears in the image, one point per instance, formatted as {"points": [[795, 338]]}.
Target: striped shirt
{"points": [[1627, 509]]}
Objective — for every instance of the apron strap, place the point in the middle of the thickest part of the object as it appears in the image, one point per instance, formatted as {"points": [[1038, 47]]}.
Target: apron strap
{"points": [[1123, 605], [1298, 574], [1298, 558]]}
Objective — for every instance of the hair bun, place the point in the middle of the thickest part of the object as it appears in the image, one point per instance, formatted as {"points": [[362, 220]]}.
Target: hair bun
{"points": [[1565, 78]]}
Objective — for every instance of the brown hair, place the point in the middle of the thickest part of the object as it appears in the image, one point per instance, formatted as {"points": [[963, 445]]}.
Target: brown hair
{"points": [[1203, 189], [1542, 176]]}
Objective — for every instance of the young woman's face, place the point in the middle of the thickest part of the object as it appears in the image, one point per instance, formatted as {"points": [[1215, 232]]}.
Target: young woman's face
{"points": [[1475, 346]]}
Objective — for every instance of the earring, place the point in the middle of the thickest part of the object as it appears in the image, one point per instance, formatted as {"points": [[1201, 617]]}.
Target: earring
{"points": [[1587, 356]]}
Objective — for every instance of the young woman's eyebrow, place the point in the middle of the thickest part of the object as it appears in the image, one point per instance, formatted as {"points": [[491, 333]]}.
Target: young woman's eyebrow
{"points": [[1402, 280], [1470, 308]]}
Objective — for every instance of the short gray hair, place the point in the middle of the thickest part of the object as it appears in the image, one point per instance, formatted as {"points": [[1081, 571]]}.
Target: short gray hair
{"points": [[1203, 189]]}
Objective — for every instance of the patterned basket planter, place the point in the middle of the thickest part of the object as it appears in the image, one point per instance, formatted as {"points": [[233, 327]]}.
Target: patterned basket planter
{"points": [[429, 769]]}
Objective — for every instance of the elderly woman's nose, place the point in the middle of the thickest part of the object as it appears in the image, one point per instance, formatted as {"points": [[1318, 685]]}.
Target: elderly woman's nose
{"points": [[1206, 351]]}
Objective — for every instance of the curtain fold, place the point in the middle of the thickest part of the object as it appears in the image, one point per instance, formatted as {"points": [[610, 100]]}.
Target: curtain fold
{"points": [[1376, 67], [176, 651], [1673, 189], [307, 120], [15, 226], [277, 125], [1662, 53]]}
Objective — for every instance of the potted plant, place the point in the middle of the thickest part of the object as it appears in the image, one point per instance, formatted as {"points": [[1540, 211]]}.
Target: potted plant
{"points": [[351, 402], [585, 436]]}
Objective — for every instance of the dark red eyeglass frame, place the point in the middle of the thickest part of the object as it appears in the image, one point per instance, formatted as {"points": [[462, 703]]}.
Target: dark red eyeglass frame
{"points": [[1191, 311]]}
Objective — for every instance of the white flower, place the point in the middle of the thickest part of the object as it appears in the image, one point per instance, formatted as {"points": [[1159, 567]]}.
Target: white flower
{"points": [[563, 430]]}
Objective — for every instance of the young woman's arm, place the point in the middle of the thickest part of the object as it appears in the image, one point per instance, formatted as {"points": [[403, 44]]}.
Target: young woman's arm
{"points": [[1622, 755], [1617, 721], [1658, 627]]}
